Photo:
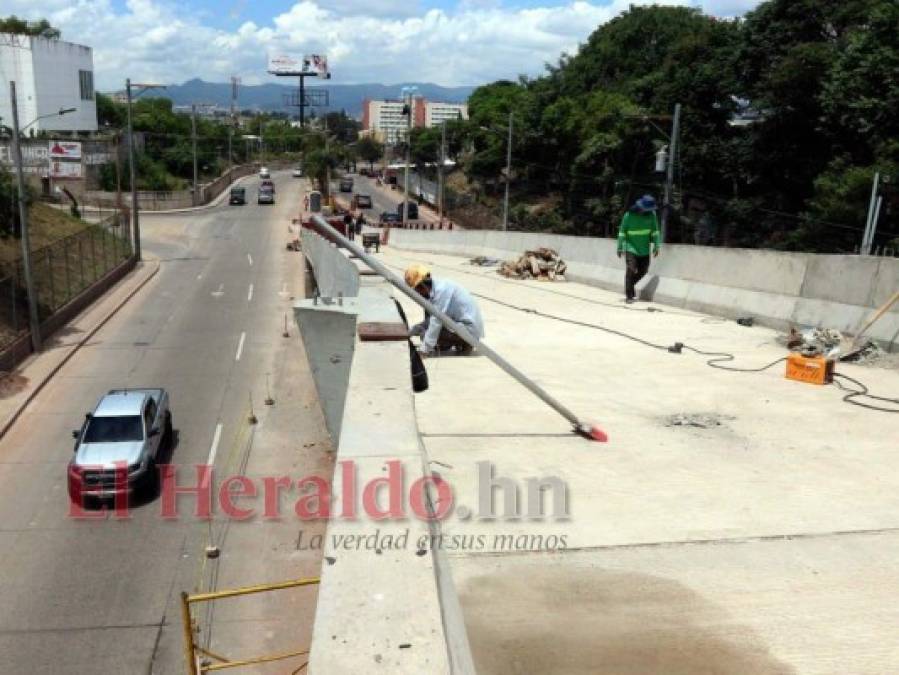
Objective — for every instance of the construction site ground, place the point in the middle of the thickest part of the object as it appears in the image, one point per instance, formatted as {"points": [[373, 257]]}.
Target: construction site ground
{"points": [[735, 522]]}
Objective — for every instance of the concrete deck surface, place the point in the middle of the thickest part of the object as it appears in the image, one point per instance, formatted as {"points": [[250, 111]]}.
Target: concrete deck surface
{"points": [[765, 544]]}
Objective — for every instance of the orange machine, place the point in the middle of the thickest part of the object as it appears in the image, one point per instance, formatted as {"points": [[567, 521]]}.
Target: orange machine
{"points": [[811, 369]]}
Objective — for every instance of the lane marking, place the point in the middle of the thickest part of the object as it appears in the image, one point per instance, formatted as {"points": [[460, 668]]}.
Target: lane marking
{"points": [[283, 292], [215, 444], [250, 259], [220, 292], [250, 293], [199, 276], [243, 336]]}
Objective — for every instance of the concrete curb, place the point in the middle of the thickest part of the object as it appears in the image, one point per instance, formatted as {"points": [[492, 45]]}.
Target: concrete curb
{"points": [[215, 202], [11, 419]]}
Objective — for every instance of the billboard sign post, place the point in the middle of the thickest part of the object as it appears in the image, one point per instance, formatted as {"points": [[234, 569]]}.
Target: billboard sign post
{"points": [[311, 65]]}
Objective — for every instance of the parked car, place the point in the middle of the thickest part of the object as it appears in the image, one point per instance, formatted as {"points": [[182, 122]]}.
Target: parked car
{"points": [[361, 201], [126, 432], [267, 183], [265, 195], [297, 172], [388, 217], [413, 210], [346, 184], [264, 172], [238, 196]]}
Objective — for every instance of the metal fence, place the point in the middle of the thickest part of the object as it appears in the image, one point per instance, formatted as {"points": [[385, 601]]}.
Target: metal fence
{"points": [[61, 272]]}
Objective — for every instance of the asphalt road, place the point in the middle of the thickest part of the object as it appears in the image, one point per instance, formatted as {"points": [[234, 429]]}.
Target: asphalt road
{"points": [[80, 596]]}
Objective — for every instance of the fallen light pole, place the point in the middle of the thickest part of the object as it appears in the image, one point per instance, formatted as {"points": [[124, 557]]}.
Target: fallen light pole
{"points": [[581, 427]]}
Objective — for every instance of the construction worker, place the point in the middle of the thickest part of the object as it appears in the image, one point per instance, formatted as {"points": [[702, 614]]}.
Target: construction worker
{"points": [[638, 231], [452, 300]]}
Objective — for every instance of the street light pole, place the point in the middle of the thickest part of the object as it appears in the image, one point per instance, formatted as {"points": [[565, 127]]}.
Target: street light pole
{"points": [[132, 174], [669, 180], [407, 92], [34, 319], [440, 178], [193, 139], [508, 177]]}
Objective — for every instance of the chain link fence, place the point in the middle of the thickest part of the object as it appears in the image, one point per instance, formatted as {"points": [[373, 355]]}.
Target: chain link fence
{"points": [[61, 272]]}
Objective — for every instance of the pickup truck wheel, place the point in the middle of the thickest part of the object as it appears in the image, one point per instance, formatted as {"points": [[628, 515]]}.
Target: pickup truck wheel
{"points": [[167, 434], [150, 483]]}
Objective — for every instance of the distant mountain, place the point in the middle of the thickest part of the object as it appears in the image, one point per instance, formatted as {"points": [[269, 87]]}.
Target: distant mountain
{"points": [[270, 97]]}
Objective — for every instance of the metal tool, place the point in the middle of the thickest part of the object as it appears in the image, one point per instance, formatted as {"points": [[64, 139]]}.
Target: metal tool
{"points": [[583, 428]]}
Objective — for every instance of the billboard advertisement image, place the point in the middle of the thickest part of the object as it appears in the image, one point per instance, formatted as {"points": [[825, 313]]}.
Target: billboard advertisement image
{"points": [[310, 65]]}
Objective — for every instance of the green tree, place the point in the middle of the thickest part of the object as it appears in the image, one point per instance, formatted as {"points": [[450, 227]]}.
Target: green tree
{"points": [[370, 150], [40, 28]]}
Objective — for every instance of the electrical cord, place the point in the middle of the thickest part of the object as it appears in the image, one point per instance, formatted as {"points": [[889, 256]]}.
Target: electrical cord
{"points": [[862, 392], [716, 358]]}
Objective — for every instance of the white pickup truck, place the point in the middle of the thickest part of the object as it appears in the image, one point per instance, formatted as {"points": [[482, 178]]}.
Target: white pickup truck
{"points": [[118, 445]]}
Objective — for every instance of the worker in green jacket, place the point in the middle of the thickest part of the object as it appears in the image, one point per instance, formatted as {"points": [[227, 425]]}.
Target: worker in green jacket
{"points": [[639, 229]]}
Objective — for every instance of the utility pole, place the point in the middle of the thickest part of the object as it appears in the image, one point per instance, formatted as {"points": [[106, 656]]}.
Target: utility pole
{"points": [[34, 319], [669, 180], [873, 214], [234, 82], [408, 93], [193, 140], [132, 175], [440, 179], [508, 176]]}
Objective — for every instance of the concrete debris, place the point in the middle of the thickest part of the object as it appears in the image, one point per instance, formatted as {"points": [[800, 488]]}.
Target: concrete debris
{"points": [[484, 261], [698, 420], [868, 353], [817, 341], [543, 264]]}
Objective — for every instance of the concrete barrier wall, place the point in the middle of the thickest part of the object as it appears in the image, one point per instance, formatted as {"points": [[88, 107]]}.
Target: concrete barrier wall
{"points": [[335, 274], [779, 289], [370, 602]]}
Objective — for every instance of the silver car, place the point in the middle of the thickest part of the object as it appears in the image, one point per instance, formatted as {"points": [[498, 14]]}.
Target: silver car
{"points": [[118, 445]]}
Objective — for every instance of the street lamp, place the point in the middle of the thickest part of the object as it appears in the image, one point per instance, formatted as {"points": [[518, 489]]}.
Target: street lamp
{"points": [[131, 170], [508, 172], [33, 317], [407, 105]]}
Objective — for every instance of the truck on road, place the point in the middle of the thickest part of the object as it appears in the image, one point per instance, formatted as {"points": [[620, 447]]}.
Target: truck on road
{"points": [[119, 443]]}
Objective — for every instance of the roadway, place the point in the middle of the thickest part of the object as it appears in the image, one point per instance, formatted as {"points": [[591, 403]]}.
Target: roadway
{"points": [[102, 595]]}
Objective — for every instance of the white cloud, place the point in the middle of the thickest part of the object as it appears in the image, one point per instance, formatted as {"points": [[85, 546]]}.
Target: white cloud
{"points": [[478, 41]]}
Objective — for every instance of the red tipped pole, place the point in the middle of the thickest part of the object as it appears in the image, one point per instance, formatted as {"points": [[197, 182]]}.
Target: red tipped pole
{"points": [[585, 429]]}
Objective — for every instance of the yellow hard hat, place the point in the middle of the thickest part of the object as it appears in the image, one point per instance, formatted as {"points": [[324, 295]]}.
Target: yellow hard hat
{"points": [[415, 274]]}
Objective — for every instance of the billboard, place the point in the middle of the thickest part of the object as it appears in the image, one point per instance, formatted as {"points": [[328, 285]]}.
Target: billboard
{"points": [[311, 65], [65, 150], [63, 169]]}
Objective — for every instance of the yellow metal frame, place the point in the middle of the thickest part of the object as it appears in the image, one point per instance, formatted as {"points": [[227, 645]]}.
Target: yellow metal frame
{"points": [[191, 649]]}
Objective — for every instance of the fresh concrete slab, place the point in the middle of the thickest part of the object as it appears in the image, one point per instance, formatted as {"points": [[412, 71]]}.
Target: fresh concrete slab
{"points": [[734, 522]]}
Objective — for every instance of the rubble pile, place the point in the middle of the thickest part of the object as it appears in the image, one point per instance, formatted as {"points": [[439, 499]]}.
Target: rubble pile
{"points": [[543, 264]]}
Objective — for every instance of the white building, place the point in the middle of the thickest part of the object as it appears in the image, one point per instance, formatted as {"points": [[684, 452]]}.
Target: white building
{"points": [[49, 75], [437, 113], [385, 120]]}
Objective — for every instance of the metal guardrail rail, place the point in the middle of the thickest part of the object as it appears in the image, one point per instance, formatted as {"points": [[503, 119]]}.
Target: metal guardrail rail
{"points": [[193, 652]]}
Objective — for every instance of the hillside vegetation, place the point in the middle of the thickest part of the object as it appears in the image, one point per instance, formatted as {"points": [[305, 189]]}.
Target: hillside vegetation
{"points": [[787, 114]]}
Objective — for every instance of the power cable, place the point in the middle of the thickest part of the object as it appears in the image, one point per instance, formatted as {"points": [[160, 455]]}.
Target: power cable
{"points": [[862, 392], [716, 360]]}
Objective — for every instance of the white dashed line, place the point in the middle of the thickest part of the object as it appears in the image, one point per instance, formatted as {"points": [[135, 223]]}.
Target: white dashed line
{"points": [[243, 336], [250, 293], [250, 259], [215, 444]]}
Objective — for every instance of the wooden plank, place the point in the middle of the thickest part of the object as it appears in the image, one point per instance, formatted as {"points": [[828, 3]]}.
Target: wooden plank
{"points": [[382, 331]]}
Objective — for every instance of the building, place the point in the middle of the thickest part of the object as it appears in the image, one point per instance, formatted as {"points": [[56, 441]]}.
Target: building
{"points": [[49, 75], [385, 121]]}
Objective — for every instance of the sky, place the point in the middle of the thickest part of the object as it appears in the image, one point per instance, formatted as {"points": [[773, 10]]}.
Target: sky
{"points": [[447, 42]]}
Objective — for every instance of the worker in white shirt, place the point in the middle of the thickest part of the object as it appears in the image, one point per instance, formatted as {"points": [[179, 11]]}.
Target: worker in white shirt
{"points": [[452, 300]]}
